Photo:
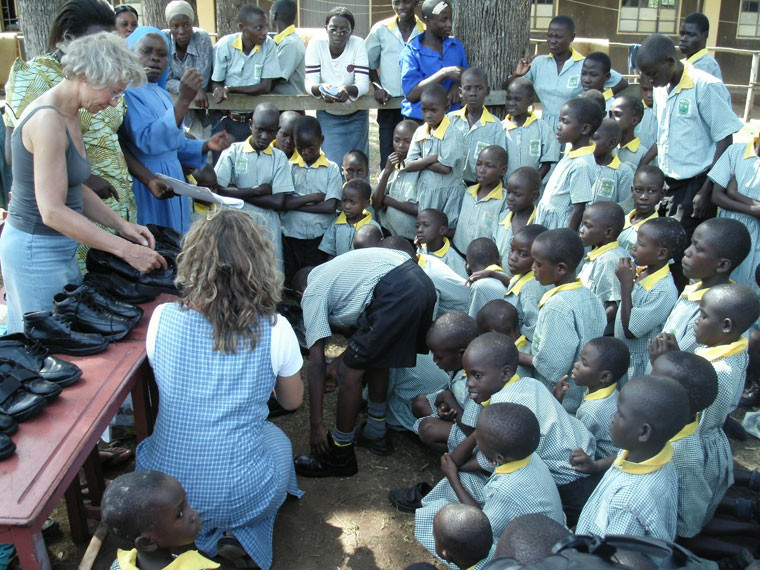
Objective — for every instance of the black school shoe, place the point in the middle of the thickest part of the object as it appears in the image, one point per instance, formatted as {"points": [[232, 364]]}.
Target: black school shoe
{"points": [[31, 381], [16, 401], [339, 462], [87, 316], [121, 288], [55, 333], [381, 447], [158, 280], [31, 354], [409, 499], [105, 301], [8, 425], [7, 447]]}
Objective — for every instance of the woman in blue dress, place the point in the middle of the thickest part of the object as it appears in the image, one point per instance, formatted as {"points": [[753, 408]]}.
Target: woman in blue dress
{"points": [[217, 354], [152, 129]]}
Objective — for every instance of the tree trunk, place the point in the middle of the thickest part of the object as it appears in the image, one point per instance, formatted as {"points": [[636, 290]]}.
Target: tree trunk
{"points": [[35, 18], [153, 13], [226, 16], [495, 34]]}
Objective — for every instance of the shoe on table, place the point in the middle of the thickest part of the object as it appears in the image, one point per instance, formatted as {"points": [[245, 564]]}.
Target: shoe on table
{"points": [[17, 402], [54, 332], [8, 425], [31, 354], [31, 381], [339, 462], [84, 315], [381, 446], [120, 287], [104, 301], [7, 447], [409, 499]]}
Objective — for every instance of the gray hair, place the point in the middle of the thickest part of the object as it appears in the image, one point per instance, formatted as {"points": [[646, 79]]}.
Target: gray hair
{"points": [[103, 60]]}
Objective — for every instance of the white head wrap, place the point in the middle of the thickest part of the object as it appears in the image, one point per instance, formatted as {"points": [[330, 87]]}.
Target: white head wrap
{"points": [[177, 8]]}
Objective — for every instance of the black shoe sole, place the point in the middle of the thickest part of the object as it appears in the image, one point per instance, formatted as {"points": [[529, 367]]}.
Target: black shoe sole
{"points": [[29, 412], [66, 382], [7, 451], [58, 349], [10, 430]]}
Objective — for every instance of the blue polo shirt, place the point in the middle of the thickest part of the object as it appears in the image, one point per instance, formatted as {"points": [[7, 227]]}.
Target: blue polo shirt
{"points": [[418, 62]]}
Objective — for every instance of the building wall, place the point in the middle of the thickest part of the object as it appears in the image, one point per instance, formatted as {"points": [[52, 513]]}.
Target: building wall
{"points": [[735, 68]]}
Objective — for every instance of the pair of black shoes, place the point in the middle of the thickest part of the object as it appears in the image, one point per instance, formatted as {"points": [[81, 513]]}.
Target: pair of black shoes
{"points": [[151, 284]]}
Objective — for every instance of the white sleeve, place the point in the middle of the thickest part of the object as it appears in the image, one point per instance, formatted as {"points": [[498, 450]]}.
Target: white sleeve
{"points": [[286, 354], [150, 336]]}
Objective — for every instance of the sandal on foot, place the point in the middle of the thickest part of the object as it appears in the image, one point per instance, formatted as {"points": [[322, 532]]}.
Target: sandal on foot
{"points": [[409, 499]]}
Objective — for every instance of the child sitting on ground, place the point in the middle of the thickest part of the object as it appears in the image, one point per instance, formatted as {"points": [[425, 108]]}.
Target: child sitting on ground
{"points": [[395, 196], [613, 179], [569, 314], [648, 189], [482, 255], [462, 535], [569, 188], [523, 188], [595, 73], [438, 154], [478, 127], [451, 289], [507, 435], [638, 495], [149, 510], [501, 317], [628, 111], [284, 139], [355, 165], [530, 538], [603, 363], [602, 223], [339, 237], [483, 203], [646, 298], [432, 226], [530, 139]]}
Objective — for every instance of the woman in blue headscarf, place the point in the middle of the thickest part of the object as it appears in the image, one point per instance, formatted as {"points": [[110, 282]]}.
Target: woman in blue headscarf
{"points": [[152, 130]]}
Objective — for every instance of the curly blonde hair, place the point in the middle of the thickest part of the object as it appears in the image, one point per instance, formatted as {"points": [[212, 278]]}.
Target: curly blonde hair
{"points": [[103, 60], [227, 271]]}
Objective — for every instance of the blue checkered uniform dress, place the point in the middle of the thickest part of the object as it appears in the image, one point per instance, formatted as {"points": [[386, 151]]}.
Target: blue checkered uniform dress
{"points": [[212, 435]]}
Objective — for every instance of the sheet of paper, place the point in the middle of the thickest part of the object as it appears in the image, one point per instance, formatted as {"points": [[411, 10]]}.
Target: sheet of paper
{"points": [[199, 192]]}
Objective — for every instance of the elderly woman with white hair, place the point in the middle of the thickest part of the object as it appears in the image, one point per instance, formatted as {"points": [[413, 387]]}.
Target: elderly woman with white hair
{"points": [[52, 211]]}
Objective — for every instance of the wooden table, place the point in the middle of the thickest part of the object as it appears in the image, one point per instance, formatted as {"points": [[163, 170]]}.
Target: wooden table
{"points": [[55, 445]]}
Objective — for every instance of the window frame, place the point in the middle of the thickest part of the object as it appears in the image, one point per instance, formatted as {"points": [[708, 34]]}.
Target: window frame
{"points": [[535, 3], [739, 36], [677, 19]]}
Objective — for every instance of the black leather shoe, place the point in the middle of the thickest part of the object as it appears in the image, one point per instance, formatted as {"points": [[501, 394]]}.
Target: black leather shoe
{"points": [[17, 402], [84, 315], [55, 333], [166, 237], [339, 462], [121, 288], [409, 499], [31, 354], [8, 425], [751, 396], [32, 381], [380, 446], [159, 280], [105, 301], [7, 447]]}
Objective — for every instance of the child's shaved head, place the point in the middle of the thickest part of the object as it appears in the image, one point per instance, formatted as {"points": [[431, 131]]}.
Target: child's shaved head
{"points": [[562, 245], [613, 353], [654, 50], [694, 373], [496, 153], [495, 349], [586, 111], [610, 213], [667, 233], [529, 176], [660, 402], [729, 237], [454, 330], [508, 430], [610, 128], [398, 243], [632, 103], [129, 505], [530, 538], [368, 235], [436, 93], [462, 534], [497, 316], [481, 253], [734, 301], [523, 85], [436, 217], [406, 126], [307, 127], [595, 96]]}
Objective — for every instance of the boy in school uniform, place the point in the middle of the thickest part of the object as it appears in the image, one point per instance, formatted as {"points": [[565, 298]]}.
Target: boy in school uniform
{"points": [[368, 236], [479, 128], [595, 73], [614, 178], [692, 41], [284, 139], [432, 58], [570, 186], [258, 173], [290, 49], [523, 187], [638, 495], [483, 203], [524, 290], [438, 154], [245, 62], [647, 297], [385, 42], [451, 289], [395, 196], [483, 255], [310, 210], [432, 226], [602, 223], [646, 130], [569, 314], [501, 317], [462, 535], [647, 192], [339, 237], [695, 126], [530, 139], [628, 111]]}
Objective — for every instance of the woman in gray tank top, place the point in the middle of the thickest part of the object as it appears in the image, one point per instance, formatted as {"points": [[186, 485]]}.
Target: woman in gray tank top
{"points": [[51, 211]]}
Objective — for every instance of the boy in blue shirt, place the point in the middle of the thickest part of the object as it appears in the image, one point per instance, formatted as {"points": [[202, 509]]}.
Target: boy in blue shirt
{"points": [[339, 237], [692, 41]]}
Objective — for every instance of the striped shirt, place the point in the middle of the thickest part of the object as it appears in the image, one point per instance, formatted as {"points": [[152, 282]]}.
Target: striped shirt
{"points": [[339, 237], [646, 130], [595, 412], [702, 60], [533, 144], [384, 45], [694, 493], [349, 68], [320, 176], [483, 133], [478, 217], [571, 183]]}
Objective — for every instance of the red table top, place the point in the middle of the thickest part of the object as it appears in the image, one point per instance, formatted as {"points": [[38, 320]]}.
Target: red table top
{"points": [[64, 433]]}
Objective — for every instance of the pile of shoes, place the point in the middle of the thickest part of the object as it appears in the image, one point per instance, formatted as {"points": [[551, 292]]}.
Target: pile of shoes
{"points": [[30, 377]]}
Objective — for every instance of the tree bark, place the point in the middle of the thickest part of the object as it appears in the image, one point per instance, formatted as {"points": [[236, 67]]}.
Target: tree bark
{"points": [[153, 13], [35, 18], [226, 16], [495, 34]]}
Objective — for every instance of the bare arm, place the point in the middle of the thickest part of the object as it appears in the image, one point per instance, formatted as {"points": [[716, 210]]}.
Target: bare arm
{"points": [[316, 379], [649, 156], [576, 216], [289, 391], [259, 89], [407, 207], [378, 196], [294, 201], [452, 72], [626, 273], [324, 207], [430, 162], [622, 84], [544, 168], [8, 153]]}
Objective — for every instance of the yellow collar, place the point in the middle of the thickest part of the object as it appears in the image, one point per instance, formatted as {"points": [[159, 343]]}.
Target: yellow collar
{"points": [[632, 213], [750, 150], [519, 281], [614, 163], [694, 292], [496, 194], [238, 43], [295, 158], [566, 287], [645, 104], [594, 253], [696, 56], [574, 55], [421, 260], [713, 353], [583, 151], [521, 342], [341, 219], [438, 132], [509, 125], [494, 267], [485, 117], [607, 94], [248, 147], [651, 280], [512, 466], [515, 378], [687, 430], [649, 466], [190, 560], [284, 34], [633, 145], [444, 249], [321, 161], [507, 221], [475, 565], [686, 80], [601, 393], [392, 23]]}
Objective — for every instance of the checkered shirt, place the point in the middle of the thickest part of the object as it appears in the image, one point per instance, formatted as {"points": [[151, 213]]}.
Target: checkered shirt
{"points": [[476, 138], [630, 156], [680, 323], [570, 183], [339, 238], [405, 384], [694, 493], [596, 416], [530, 145], [526, 304], [599, 275], [402, 186], [478, 218], [613, 183], [482, 291], [308, 180]]}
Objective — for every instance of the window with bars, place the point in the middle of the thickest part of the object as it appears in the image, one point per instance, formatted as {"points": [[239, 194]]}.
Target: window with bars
{"points": [[9, 16], [749, 19], [541, 13], [648, 16]]}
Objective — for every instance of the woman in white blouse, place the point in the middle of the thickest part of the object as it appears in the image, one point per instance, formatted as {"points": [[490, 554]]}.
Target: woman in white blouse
{"points": [[337, 71]]}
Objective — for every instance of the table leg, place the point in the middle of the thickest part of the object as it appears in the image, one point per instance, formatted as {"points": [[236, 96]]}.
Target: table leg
{"points": [[77, 514], [94, 473], [30, 546], [142, 402]]}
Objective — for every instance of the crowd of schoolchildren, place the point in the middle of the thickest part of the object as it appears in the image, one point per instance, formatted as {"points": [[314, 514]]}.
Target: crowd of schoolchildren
{"points": [[596, 275]]}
